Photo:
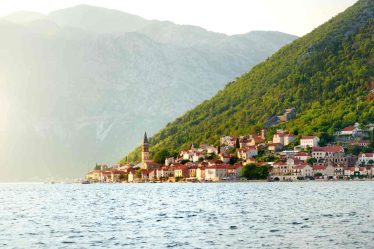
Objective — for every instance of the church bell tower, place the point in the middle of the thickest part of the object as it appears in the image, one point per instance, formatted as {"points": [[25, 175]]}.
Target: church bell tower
{"points": [[145, 148]]}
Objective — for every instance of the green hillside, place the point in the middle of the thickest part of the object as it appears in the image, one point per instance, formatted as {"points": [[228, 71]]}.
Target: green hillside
{"points": [[326, 75]]}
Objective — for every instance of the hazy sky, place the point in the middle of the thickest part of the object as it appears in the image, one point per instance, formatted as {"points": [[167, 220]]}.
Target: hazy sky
{"points": [[226, 16]]}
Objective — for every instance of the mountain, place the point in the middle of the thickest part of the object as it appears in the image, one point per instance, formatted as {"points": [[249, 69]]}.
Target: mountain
{"points": [[98, 20], [80, 85], [327, 75]]}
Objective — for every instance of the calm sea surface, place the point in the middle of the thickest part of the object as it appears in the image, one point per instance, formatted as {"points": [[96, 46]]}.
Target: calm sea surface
{"points": [[223, 215]]}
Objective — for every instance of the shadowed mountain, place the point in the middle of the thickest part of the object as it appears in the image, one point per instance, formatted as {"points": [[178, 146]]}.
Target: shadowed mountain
{"points": [[81, 85]]}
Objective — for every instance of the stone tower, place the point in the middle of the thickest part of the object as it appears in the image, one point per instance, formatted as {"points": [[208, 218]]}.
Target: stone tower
{"points": [[145, 148], [263, 133]]}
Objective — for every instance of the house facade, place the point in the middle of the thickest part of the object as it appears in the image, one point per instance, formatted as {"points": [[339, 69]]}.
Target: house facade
{"points": [[330, 154], [309, 141], [366, 159]]}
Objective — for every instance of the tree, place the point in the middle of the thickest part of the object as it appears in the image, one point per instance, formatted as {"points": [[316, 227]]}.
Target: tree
{"points": [[138, 173], [161, 155], [233, 160], [367, 149], [311, 160], [318, 174], [355, 150], [253, 172], [237, 143], [123, 177], [231, 151]]}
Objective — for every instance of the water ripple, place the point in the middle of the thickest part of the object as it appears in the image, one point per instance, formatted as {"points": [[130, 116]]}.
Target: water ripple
{"points": [[227, 215]]}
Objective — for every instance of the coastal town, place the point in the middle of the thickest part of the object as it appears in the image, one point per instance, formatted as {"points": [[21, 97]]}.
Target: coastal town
{"points": [[286, 157]]}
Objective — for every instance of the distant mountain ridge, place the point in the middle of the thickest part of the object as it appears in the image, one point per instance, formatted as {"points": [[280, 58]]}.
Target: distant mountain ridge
{"points": [[82, 84], [327, 75]]}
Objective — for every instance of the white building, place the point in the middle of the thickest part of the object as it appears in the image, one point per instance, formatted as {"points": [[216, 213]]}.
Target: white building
{"points": [[215, 173], [303, 170], [350, 130], [283, 138], [164, 172], [326, 171], [365, 158], [303, 156], [247, 153], [330, 154], [309, 141], [169, 161]]}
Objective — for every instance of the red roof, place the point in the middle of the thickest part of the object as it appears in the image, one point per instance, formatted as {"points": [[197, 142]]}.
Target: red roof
{"points": [[349, 128], [274, 144], [296, 161], [152, 164], [219, 166], [117, 172], [280, 163], [225, 155], [302, 154], [329, 149], [308, 137], [215, 161], [319, 167], [301, 166], [366, 154], [145, 171], [180, 167], [283, 134]]}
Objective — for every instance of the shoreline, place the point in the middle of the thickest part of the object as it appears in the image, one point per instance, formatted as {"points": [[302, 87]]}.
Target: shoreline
{"points": [[236, 181]]}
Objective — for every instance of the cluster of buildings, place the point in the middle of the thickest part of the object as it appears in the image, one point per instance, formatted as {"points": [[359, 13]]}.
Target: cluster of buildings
{"points": [[196, 164], [306, 159]]}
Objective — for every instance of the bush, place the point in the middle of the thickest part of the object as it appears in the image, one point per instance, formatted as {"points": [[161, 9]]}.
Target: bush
{"points": [[253, 172]]}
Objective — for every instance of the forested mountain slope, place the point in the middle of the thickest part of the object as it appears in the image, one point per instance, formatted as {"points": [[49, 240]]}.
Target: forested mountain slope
{"points": [[326, 75]]}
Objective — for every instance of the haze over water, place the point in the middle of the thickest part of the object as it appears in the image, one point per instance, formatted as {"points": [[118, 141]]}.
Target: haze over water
{"points": [[222, 215]]}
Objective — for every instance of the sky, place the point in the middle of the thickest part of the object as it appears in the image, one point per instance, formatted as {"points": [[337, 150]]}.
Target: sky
{"points": [[296, 17]]}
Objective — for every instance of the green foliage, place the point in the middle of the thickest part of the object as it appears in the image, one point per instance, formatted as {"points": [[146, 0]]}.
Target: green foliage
{"points": [[318, 174], [231, 150], [291, 145], [237, 143], [138, 173], [325, 75], [311, 160], [355, 150], [270, 158], [123, 177], [233, 160], [161, 155], [368, 149], [253, 172]]}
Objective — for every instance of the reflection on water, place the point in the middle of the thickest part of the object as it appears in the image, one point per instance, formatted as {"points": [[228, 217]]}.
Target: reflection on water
{"points": [[222, 215]]}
